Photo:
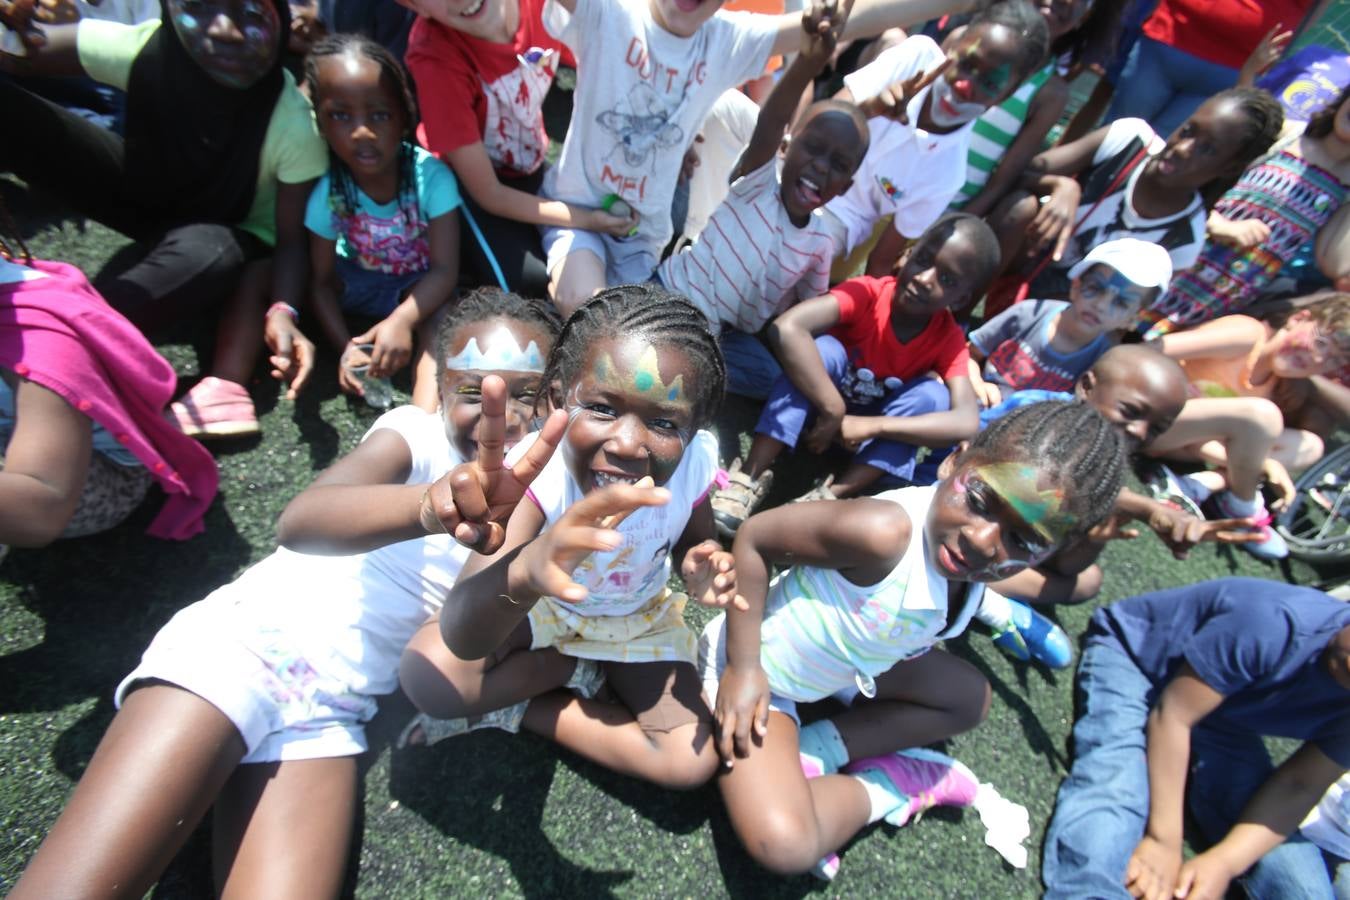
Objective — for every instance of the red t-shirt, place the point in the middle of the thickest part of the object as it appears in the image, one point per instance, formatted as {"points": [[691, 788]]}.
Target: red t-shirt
{"points": [[1221, 31], [472, 90], [865, 331]]}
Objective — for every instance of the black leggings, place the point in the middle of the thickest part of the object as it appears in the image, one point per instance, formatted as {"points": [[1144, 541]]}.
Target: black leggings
{"points": [[182, 269], [516, 245]]}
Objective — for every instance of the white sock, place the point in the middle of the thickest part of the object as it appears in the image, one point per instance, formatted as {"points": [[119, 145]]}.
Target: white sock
{"points": [[881, 793], [1236, 507], [822, 744], [995, 610]]}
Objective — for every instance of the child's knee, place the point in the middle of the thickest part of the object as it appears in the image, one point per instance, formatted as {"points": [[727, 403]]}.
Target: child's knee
{"points": [[1088, 584], [780, 841], [1265, 416], [689, 758], [972, 699]]}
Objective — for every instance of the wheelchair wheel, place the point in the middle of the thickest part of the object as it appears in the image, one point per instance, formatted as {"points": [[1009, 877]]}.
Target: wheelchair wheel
{"points": [[1317, 522]]}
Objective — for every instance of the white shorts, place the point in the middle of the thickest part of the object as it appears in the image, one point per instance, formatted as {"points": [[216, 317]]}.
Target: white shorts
{"points": [[283, 708], [627, 261], [712, 660]]}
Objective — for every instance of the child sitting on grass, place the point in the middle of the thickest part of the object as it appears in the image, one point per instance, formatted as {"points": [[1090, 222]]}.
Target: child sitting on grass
{"points": [[384, 230], [1190, 680], [869, 588], [866, 383], [766, 245], [1047, 344], [1140, 392], [254, 700], [1237, 368]]}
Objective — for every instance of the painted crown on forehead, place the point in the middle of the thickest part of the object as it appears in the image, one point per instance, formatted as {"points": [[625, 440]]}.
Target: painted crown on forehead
{"points": [[646, 377], [1044, 511], [503, 353]]}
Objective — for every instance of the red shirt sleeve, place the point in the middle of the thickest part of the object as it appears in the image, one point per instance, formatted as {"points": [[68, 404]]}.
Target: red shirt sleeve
{"points": [[448, 89], [953, 355]]}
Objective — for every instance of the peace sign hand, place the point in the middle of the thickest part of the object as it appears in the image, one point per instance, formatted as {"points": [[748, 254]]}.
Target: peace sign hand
{"points": [[587, 527], [893, 102], [474, 499], [822, 23]]}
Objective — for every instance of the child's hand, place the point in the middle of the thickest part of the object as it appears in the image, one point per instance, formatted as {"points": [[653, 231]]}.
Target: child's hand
{"points": [[1266, 54], [393, 340], [587, 527], [820, 435], [1181, 531], [742, 711], [348, 383], [616, 226], [473, 501], [292, 354], [709, 574], [19, 17], [1054, 222], [822, 24], [856, 431], [1112, 528], [1152, 871], [1244, 234], [893, 102], [1205, 877], [691, 159], [1277, 477], [988, 394]]}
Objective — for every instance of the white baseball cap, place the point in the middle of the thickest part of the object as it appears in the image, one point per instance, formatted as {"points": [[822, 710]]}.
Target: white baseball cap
{"points": [[1142, 262]]}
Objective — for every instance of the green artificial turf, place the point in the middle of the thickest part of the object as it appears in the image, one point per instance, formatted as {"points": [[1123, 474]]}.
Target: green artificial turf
{"points": [[487, 814]]}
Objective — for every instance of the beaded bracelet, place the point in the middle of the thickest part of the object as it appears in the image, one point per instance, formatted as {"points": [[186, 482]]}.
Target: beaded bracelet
{"points": [[280, 304]]}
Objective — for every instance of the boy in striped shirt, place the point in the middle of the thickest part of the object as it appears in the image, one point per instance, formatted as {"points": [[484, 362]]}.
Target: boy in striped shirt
{"points": [[766, 247]]}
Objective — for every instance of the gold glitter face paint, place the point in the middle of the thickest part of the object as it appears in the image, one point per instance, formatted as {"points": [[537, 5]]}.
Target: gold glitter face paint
{"points": [[1042, 510]]}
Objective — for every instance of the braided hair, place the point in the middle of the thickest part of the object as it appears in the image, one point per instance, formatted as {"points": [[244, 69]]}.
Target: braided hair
{"points": [[1264, 118], [486, 303], [12, 246], [1025, 21], [660, 316], [341, 186], [1072, 443]]}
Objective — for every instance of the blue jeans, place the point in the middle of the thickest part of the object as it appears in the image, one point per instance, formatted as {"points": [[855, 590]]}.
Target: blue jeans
{"points": [[373, 294], [787, 411], [752, 369], [1102, 806], [1164, 85]]}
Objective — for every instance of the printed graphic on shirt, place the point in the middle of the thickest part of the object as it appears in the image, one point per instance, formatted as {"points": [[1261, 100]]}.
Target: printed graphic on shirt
{"points": [[395, 245], [641, 126], [1024, 370], [860, 386], [513, 129]]}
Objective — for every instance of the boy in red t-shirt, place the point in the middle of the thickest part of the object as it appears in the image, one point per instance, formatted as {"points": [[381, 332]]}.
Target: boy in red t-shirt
{"points": [[857, 361]]}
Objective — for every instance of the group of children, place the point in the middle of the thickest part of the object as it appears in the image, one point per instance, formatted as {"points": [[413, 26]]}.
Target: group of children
{"points": [[501, 548]]}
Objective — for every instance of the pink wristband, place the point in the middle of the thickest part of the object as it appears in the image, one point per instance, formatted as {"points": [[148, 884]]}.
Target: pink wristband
{"points": [[290, 311]]}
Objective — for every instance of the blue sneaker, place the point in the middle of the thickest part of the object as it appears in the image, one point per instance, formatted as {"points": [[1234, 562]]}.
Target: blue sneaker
{"points": [[1031, 635]]}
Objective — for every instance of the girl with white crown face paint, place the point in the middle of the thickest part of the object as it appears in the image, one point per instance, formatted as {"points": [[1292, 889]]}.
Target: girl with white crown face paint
{"points": [[506, 347]]}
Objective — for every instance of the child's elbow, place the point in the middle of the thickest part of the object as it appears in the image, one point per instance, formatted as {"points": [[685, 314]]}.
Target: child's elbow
{"points": [[458, 636]]}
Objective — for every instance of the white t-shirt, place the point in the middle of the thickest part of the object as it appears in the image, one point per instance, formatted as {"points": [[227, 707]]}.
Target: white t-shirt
{"points": [[622, 581], [350, 617], [751, 262], [908, 172], [641, 96], [1181, 234]]}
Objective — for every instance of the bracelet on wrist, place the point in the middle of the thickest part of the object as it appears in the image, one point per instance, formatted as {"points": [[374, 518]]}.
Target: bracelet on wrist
{"points": [[290, 311]]}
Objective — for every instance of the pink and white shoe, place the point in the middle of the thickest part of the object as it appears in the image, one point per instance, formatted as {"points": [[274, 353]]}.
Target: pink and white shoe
{"points": [[926, 777], [215, 407]]}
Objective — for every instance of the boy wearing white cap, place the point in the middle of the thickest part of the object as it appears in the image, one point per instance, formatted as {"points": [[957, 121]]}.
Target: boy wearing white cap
{"points": [[1048, 344]]}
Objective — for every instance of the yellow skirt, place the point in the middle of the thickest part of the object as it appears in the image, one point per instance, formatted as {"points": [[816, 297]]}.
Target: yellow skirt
{"points": [[656, 632]]}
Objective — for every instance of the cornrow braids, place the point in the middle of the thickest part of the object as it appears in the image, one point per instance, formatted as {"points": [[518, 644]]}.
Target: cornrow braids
{"points": [[1265, 118], [12, 246], [1024, 20], [487, 303], [1073, 443], [341, 186], [660, 316]]}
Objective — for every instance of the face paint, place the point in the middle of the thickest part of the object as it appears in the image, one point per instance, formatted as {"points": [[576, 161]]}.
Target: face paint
{"points": [[645, 381], [996, 570], [500, 353], [1016, 484], [949, 111]]}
